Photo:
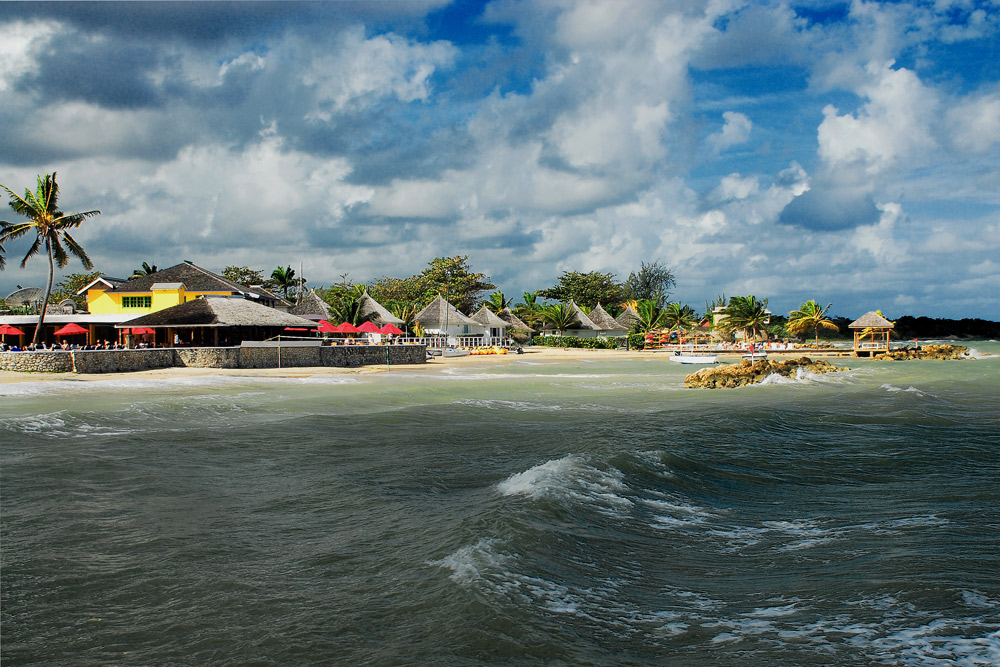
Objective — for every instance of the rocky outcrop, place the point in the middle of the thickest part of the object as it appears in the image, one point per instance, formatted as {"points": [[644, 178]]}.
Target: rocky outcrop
{"points": [[744, 373], [926, 352]]}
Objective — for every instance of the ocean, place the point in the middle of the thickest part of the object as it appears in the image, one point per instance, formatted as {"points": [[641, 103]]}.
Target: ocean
{"points": [[521, 511]]}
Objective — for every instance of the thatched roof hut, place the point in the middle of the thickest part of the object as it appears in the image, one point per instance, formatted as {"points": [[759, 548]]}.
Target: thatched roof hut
{"points": [[871, 334], [438, 312], [871, 320], [514, 323], [372, 310], [582, 319], [603, 319], [627, 318], [311, 307]]}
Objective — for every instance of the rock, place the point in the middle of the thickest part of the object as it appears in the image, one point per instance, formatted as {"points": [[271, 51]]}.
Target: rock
{"points": [[744, 373], [926, 352]]}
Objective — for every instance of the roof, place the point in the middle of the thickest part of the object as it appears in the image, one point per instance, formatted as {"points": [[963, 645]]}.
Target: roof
{"points": [[434, 314], [582, 319], [166, 286], [108, 281], [219, 311], [871, 319], [603, 319], [513, 321], [488, 319], [376, 312], [195, 279], [627, 317], [311, 307]]}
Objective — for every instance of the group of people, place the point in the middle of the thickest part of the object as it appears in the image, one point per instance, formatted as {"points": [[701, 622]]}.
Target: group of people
{"points": [[64, 346]]}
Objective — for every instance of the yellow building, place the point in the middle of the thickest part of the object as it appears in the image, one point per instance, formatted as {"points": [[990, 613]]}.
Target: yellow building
{"points": [[165, 289]]}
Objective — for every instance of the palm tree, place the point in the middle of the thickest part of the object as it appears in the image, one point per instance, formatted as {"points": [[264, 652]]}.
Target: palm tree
{"points": [[51, 227], [650, 316], [497, 302], [284, 278], [560, 315], [146, 270], [747, 314], [345, 303], [405, 312], [810, 316], [676, 316]]}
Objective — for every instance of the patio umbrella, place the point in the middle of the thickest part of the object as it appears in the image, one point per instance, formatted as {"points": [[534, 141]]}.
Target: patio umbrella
{"points": [[390, 328], [346, 327], [8, 330], [326, 327], [71, 329], [368, 327]]}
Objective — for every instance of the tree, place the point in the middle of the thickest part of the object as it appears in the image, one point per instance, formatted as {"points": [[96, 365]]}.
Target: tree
{"points": [[653, 282], [810, 316], [398, 290], [560, 315], [283, 279], [587, 289], [452, 278], [497, 302], [68, 287], [242, 275], [747, 314], [345, 302], [676, 316], [145, 270], [530, 310], [51, 227]]}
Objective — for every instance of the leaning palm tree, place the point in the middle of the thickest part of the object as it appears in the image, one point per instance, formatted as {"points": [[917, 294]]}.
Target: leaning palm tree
{"points": [[560, 315], [810, 316], [145, 270], [497, 302], [747, 314], [677, 316], [51, 227]]}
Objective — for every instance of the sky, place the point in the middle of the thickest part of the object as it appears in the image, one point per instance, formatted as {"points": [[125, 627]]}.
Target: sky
{"points": [[847, 152]]}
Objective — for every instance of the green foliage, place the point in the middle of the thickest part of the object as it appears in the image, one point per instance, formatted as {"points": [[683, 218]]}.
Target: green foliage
{"points": [[586, 343], [746, 314], [677, 316], [587, 289], [530, 310], [450, 277], [345, 303], [650, 316], [560, 315], [810, 317], [51, 228], [398, 290], [145, 270], [637, 341], [497, 302], [652, 282], [68, 287], [242, 275], [285, 280]]}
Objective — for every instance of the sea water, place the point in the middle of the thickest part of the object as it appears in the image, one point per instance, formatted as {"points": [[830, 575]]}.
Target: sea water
{"points": [[517, 511]]}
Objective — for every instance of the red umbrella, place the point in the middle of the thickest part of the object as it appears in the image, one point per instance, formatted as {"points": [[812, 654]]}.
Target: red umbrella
{"points": [[390, 328], [346, 327], [140, 331], [71, 329], [296, 329], [8, 330], [368, 327], [326, 327]]}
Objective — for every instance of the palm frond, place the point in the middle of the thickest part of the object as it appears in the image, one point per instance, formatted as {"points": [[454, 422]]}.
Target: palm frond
{"points": [[78, 251], [32, 251]]}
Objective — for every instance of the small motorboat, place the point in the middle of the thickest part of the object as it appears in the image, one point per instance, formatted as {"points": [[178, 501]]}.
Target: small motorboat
{"points": [[693, 358]]}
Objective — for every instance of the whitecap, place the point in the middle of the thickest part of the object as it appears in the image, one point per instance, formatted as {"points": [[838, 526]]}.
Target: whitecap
{"points": [[471, 563]]}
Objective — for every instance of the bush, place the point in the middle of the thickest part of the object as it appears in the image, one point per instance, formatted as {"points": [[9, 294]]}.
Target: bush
{"points": [[574, 341]]}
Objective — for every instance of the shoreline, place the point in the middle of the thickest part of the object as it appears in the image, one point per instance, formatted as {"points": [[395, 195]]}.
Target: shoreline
{"points": [[536, 353]]}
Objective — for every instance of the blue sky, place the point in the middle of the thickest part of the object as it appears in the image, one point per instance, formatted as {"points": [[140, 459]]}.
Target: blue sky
{"points": [[843, 152]]}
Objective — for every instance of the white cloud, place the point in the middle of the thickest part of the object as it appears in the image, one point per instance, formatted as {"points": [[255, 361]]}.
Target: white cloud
{"points": [[735, 131], [975, 124], [22, 43]]}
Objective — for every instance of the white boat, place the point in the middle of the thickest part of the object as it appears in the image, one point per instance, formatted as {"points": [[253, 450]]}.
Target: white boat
{"points": [[693, 358], [452, 352]]}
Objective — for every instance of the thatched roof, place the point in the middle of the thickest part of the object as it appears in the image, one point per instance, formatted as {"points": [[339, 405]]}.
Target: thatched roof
{"points": [[627, 318], [603, 319], [376, 312], [582, 319], [194, 278], [433, 315], [219, 311], [514, 322], [871, 320], [311, 307], [488, 319]]}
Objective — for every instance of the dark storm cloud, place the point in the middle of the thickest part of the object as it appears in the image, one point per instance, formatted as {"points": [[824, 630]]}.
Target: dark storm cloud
{"points": [[830, 208]]}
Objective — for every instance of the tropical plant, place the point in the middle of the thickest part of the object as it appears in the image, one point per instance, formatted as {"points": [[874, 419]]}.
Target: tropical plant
{"points": [[586, 289], [677, 316], [68, 288], [145, 270], [747, 314], [345, 303], [810, 317], [452, 278], [649, 316], [243, 275], [404, 311], [284, 278], [51, 227], [710, 306], [560, 316], [497, 302], [652, 282]]}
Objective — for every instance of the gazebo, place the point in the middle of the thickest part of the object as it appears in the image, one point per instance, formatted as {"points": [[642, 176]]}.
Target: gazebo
{"points": [[871, 334]]}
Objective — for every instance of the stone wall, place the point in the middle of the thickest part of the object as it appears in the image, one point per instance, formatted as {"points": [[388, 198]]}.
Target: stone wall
{"points": [[124, 361]]}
